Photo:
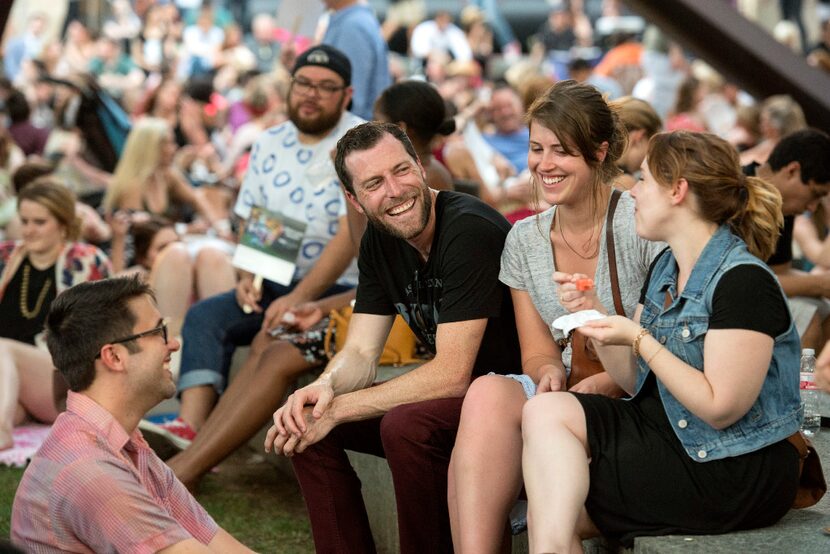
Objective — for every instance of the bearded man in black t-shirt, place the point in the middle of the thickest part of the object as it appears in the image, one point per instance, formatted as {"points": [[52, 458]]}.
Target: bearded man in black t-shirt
{"points": [[433, 258]]}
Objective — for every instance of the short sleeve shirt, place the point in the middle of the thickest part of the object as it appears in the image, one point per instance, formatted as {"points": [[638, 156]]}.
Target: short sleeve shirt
{"points": [[459, 281], [299, 181], [93, 488], [783, 253], [527, 263]]}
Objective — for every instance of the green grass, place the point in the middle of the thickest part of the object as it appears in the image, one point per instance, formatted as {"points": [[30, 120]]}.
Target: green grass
{"points": [[9, 478], [248, 496], [258, 504]]}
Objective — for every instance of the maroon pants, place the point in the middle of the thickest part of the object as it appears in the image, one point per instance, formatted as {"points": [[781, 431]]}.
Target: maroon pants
{"points": [[416, 440]]}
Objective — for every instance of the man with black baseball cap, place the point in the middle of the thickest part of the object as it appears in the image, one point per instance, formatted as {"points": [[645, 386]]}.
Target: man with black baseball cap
{"points": [[353, 29], [291, 173]]}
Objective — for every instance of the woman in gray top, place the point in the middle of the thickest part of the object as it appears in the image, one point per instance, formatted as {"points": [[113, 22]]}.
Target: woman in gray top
{"points": [[575, 142]]}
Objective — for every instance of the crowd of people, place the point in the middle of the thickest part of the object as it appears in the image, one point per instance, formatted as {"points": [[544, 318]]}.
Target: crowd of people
{"points": [[474, 192]]}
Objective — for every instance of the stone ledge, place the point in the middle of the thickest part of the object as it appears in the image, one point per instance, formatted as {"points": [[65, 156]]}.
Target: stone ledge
{"points": [[799, 531]]}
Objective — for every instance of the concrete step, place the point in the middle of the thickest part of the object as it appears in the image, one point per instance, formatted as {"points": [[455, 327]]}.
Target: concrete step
{"points": [[800, 531]]}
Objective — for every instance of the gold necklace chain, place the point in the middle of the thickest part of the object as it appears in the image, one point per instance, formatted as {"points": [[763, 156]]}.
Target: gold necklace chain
{"points": [[572, 249], [24, 295]]}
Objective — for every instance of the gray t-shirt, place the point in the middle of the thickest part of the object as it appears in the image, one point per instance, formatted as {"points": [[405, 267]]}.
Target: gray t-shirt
{"points": [[527, 262]]}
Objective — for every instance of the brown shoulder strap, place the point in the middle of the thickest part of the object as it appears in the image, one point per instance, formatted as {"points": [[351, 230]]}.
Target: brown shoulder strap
{"points": [[612, 255]]}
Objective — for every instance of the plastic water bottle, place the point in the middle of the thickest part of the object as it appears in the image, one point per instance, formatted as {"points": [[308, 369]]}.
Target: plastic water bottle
{"points": [[809, 393]]}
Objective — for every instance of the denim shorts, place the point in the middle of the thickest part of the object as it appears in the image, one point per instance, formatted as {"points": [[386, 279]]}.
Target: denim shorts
{"points": [[524, 380]]}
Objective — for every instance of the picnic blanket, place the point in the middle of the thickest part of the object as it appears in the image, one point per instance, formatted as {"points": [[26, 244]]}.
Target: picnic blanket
{"points": [[27, 440]]}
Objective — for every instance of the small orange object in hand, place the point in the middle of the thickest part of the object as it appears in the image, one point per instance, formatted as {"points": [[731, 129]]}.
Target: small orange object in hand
{"points": [[584, 284]]}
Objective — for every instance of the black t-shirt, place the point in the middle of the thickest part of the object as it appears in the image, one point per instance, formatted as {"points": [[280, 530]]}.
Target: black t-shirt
{"points": [[746, 297], [784, 247], [459, 281], [39, 293], [783, 253]]}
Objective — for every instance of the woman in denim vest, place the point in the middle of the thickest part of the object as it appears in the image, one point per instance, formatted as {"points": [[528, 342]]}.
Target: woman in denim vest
{"points": [[710, 360]]}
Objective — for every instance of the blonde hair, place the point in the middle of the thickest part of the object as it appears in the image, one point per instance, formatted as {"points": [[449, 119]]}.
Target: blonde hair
{"points": [[58, 199], [783, 114], [710, 165], [139, 160], [637, 114], [533, 87], [582, 120]]}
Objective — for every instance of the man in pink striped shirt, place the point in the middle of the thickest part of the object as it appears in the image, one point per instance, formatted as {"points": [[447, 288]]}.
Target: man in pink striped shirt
{"points": [[95, 485]]}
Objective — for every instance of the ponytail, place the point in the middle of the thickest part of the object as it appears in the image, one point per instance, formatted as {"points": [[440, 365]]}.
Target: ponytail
{"points": [[749, 205], [758, 222]]}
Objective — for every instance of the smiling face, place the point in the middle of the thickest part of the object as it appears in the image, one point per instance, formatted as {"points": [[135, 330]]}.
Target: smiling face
{"points": [[149, 367], [563, 178], [390, 189], [315, 112], [42, 232]]}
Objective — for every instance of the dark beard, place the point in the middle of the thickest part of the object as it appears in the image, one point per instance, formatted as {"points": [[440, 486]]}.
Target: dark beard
{"points": [[319, 125], [388, 229]]}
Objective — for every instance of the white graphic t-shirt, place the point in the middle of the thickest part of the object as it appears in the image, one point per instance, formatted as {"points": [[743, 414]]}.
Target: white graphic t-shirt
{"points": [[299, 181]]}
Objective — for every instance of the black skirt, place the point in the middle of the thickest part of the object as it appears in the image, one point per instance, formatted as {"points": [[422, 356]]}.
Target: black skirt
{"points": [[643, 483]]}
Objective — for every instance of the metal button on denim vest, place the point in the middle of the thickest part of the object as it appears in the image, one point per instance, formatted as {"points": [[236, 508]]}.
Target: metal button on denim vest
{"points": [[682, 328]]}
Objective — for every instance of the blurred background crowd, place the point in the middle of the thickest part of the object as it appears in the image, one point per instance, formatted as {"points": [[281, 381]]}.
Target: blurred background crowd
{"points": [[146, 109]]}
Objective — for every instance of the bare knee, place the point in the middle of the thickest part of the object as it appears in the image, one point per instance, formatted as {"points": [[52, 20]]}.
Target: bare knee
{"points": [[551, 411], [211, 259], [494, 397], [262, 341], [283, 359], [174, 256]]}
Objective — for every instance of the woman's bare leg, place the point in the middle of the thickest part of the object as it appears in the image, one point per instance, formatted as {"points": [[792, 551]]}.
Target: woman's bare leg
{"points": [[486, 465], [213, 272], [555, 466], [25, 386], [9, 392], [172, 280], [245, 407]]}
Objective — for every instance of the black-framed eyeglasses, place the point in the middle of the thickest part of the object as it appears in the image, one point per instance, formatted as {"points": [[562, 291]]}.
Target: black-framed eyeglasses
{"points": [[160, 329], [324, 90]]}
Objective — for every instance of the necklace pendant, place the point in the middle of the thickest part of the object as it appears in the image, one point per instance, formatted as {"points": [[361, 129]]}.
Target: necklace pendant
{"points": [[24, 295]]}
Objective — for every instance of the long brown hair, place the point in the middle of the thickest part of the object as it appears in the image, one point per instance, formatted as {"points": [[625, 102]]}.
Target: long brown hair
{"points": [[749, 205], [583, 120]]}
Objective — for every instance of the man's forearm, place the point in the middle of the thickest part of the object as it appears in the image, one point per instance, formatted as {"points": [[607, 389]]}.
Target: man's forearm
{"points": [[798, 283], [430, 381], [350, 370], [445, 376], [355, 365]]}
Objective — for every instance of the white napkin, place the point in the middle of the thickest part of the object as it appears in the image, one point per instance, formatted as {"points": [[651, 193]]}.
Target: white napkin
{"points": [[569, 322]]}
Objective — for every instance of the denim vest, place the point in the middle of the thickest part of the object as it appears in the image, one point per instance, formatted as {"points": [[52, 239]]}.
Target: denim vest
{"points": [[681, 328]]}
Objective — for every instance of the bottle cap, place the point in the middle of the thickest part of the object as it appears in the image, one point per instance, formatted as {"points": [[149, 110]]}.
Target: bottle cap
{"points": [[808, 352]]}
